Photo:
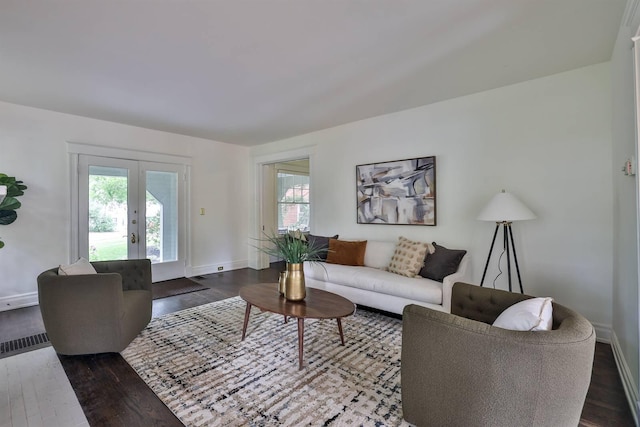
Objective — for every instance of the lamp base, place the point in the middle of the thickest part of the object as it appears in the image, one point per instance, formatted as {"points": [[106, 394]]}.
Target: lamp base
{"points": [[509, 245]]}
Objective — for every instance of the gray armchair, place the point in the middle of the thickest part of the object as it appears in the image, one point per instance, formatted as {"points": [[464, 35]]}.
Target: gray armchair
{"points": [[458, 370], [96, 313]]}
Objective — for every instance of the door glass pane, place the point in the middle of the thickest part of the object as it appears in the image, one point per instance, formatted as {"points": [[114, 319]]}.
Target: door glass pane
{"points": [[107, 213], [162, 216]]}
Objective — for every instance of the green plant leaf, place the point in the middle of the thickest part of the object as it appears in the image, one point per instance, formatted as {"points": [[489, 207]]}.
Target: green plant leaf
{"points": [[14, 192], [10, 204], [293, 250], [1, 244], [7, 217], [8, 181]]}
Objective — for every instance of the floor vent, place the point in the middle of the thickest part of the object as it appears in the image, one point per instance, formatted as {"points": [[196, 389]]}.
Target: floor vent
{"points": [[22, 343]]}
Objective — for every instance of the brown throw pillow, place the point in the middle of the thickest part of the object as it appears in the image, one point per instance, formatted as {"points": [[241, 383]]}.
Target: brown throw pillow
{"points": [[346, 253]]}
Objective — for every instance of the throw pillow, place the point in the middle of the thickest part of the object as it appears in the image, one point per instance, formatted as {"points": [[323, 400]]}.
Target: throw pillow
{"points": [[320, 242], [441, 263], [408, 258], [81, 266], [535, 314], [346, 253], [297, 234]]}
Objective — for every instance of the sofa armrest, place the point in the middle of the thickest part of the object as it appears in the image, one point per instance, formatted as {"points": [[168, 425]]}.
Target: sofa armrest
{"points": [[447, 283]]}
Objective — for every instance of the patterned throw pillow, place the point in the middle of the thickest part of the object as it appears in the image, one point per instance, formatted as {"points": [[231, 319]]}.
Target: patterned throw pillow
{"points": [[408, 258]]}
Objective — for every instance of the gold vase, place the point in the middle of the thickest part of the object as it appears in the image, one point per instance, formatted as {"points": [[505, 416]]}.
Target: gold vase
{"points": [[283, 277], [294, 289]]}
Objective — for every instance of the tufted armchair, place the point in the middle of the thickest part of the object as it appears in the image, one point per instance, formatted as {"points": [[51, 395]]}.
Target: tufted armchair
{"points": [[458, 370], [96, 313]]}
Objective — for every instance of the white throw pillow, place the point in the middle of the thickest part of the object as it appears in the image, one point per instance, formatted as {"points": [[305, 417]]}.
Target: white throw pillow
{"points": [[535, 314], [81, 266], [379, 253]]}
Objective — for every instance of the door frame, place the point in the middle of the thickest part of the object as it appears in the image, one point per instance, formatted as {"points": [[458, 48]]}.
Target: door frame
{"points": [[74, 151], [257, 259]]}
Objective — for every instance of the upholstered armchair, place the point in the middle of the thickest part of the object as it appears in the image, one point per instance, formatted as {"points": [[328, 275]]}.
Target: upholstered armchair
{"points": [[96, 313], [458, 370]]}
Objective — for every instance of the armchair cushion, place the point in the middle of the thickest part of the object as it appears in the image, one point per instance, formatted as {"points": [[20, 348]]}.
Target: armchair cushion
{"points": [[533, 314], [81, 266]]}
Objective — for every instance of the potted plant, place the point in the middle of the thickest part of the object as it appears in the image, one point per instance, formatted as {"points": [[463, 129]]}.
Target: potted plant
{"points": [[9, 203], [294, 249]]}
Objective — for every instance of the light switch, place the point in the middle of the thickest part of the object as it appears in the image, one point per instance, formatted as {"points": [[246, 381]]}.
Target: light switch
{"points": [[201, 211]]}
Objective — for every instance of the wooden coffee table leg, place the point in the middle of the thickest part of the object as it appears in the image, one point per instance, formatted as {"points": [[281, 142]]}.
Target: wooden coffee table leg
{"points": [[300, 341], [247, 312], [340, 330]]}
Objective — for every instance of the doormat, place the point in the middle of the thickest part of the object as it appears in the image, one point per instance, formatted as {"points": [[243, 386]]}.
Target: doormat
{"points": [[169, 288]]}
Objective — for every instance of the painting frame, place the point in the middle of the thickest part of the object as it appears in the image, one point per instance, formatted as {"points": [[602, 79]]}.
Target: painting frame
{"points": [[397, 192]]}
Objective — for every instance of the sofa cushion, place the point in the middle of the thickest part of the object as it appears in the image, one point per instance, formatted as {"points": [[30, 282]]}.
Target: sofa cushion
{"points": [[408, 258], [320, 242], [441, 263], [81, 266], [376, 280], [378, 253], [346, 252], [535, 314]]}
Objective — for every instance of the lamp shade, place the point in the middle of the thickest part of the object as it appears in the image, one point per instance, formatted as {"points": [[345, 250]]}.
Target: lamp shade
{"points": [[3, 192], [505, 207]]}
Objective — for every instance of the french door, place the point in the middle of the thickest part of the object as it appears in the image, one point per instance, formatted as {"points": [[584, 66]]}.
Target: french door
{"points": [[132, 209]]}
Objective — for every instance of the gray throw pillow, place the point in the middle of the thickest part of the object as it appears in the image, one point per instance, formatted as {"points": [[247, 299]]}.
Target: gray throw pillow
{"points": [[441, 263], [320, 242]]}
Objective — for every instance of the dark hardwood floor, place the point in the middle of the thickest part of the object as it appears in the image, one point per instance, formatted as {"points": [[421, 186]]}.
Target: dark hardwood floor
{"points": [[112, 394]]}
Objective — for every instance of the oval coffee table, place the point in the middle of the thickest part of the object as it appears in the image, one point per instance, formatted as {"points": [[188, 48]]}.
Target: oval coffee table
{"points": [[318, 304]]}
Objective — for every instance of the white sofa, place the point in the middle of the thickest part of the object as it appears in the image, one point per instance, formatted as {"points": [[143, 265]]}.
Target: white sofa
{"points": [[372, 286]]}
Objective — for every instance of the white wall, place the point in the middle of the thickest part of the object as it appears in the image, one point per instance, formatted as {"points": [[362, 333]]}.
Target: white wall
{"points": [[548, 141], [33, 148]]}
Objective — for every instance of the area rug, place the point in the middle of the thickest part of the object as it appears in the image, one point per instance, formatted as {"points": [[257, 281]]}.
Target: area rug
{"points": [[195, 362], [173, 287]]}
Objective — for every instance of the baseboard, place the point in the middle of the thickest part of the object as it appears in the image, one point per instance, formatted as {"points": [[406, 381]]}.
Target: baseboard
{"points": [[603, 332], [18, 301], [628, 382], [214, 268]]}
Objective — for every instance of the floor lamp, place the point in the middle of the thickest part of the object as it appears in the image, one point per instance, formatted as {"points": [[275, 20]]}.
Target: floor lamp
{"points": [[503, 209]]}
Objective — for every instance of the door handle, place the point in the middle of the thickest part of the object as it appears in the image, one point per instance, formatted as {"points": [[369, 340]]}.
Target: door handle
{"points": [[133, 237]]}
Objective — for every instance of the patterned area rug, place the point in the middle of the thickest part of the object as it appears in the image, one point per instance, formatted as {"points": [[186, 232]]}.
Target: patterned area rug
{"points": [[196, 364]]}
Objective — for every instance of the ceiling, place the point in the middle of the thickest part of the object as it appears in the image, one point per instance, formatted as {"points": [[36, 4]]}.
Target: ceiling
{"points": [[253, 71]]}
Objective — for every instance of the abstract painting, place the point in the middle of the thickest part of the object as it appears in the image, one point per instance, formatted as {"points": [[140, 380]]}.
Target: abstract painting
{"points": [[397, 192]]}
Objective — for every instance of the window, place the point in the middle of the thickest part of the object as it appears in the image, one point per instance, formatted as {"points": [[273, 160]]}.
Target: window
{"points": [[292, 201]]}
